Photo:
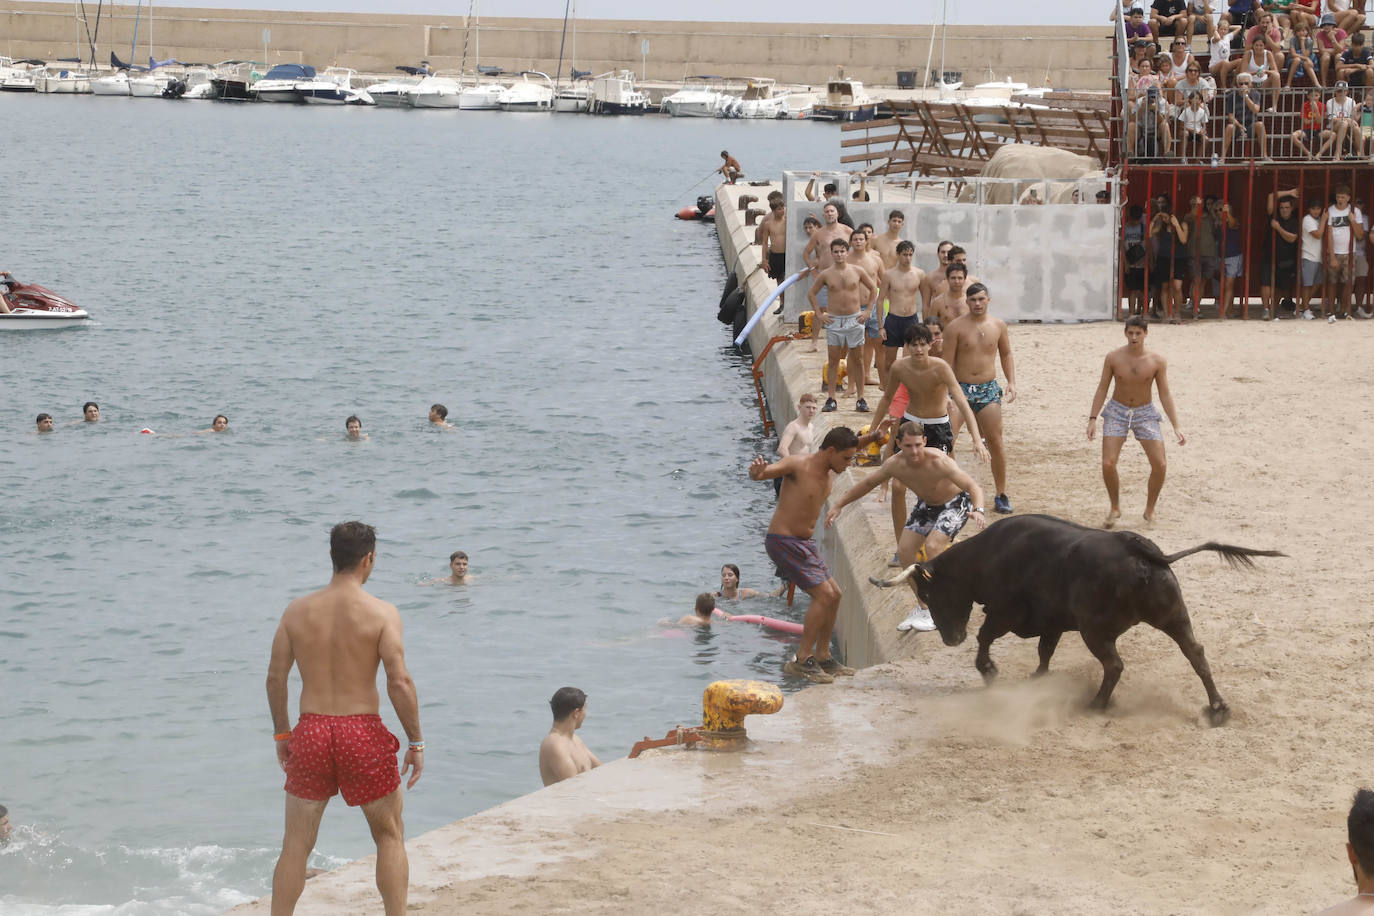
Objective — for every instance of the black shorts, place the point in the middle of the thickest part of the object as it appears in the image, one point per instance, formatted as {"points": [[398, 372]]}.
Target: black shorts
{"points": [[1285, 276], [938, 435], [1135, 279], [777, 265], [896, 327]]}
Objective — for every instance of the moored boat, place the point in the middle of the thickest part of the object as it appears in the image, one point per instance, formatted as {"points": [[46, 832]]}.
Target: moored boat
{"points": [[845, 100], [614, 93], [279, 83], [528, 94]]}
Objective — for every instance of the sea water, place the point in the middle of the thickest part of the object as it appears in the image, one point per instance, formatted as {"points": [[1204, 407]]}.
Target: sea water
{"points": [[289, 266]]}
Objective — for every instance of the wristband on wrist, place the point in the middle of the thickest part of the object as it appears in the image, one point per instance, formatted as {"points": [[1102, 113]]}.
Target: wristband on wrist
{"points": [[282, 736], [417, 745]]}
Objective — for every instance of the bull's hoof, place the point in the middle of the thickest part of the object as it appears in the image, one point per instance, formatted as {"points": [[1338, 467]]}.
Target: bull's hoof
{"points": [[989, 673], [1218, 715], [1040, 672]]}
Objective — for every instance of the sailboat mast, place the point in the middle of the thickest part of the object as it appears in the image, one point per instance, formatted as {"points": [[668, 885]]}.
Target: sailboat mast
{"points": [[944, 23], [558, 73], [133, 45]]}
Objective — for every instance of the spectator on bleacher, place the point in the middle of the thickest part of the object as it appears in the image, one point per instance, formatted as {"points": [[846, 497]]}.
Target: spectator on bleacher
{"points": [[1260, 64], [1279, 268], [1308, 137], [1148, 113], [1192, 129], [1164, 69], [1279, 9], [1367, 124], [1232, 245], [1243, 13], [1138, 30], [1219, 52], [1179, 56], [1340, 123], [1351, 20], [1269, 29], [1302, 56], [1330, 45], [1242, 108], [1170, 265], [1200, 15], [1194, 83], [1169, 17], [1133, 234], [1356, 65], [1203, 260], [1305, 12], [1313, 231]]}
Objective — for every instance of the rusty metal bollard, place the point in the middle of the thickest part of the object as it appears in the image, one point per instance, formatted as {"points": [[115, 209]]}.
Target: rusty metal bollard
{"points": [[724, 704]]}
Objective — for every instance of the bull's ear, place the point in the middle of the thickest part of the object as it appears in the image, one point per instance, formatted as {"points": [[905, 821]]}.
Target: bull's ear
{"points": [[925, 572]]}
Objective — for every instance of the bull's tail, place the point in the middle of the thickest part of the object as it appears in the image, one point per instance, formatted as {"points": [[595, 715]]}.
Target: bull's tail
{"points": [[1235, 557]]}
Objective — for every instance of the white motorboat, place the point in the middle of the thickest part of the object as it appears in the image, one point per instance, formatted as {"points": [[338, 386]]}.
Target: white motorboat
{"points": [[573, 99], [528, 94], [149, 85], [394, 92], [435, 92], [19, 75], [333, 87], [481, 96], [845, 100], [56, 79], [279, 83], [758, 101], [198, 82], [696, 99], [232, 79], [30, 307], [614, 93]]}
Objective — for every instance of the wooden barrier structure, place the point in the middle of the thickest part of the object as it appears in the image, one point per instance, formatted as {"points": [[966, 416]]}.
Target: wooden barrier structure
{"points": [[953, 140]]}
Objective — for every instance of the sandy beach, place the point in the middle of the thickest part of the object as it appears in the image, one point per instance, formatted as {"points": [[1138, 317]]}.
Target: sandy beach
{"points": [[914, 788]]}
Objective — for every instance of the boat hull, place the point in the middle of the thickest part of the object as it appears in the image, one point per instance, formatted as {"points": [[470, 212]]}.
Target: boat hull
{"points": [[28, 320], [846, 114]]}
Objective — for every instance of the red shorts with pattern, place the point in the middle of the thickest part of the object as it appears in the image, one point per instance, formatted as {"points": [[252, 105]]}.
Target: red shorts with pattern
{"points": [[355, 755]]}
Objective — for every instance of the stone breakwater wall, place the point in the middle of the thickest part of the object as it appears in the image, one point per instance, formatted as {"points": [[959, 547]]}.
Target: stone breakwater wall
{"points": [[793, 53]]}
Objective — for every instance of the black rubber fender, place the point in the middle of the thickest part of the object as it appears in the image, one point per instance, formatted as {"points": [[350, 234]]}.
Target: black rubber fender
{"points": [[731, 307], [741, 318], [731, 284]]}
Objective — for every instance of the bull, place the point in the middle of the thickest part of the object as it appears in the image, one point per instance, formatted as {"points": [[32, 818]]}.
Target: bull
{"points": [[1039, 576]]}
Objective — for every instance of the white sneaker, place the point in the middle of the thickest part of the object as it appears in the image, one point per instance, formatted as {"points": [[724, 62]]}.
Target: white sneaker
{"points": [[1308, 316], [1330, 319], [1364, 313], [919, 620]]}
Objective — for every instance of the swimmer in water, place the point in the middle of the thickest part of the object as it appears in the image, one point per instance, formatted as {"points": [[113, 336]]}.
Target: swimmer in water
{"points": [[438, 416], [354, 428], [219, 425], [44, 423], [90, 413], [729, 585], [701, 614], [458, 571]]}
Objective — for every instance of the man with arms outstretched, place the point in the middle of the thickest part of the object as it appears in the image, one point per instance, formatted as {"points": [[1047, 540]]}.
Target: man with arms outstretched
{"points": [[973, 346], [945, 497], [337, 637], [1134, 370], [805, 488]]}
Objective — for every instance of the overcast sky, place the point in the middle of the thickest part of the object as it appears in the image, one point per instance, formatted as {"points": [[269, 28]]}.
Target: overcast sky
{"points": [[908, 12]]}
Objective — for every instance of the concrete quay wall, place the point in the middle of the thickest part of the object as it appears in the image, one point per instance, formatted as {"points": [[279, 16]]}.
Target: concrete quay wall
{"points": [[793, 53]]}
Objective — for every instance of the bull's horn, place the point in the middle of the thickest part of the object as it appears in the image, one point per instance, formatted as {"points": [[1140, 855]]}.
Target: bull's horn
{"points": [[895, 580]]}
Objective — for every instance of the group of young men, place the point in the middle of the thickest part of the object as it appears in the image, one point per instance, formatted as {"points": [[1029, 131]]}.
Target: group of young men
{"points": [[1251, 47], [1318, 256]]}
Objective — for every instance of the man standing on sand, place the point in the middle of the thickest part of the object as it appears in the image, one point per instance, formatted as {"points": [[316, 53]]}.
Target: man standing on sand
{"points": [[886, 244], [945, 497], [562, 754], [973, 345], [337, 637], [1133, 369], [1359, 848], [848, 291], [949, 304], [870, 262], [805, 488], [900, 287], [934, 279]]}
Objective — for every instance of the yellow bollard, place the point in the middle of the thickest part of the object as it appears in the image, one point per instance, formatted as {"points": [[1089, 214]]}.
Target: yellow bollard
{"points": [[724, 704]]}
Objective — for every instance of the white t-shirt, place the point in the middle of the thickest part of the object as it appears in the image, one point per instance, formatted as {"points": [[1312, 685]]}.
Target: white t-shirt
{"points": [[1340, 108], [1363, 222], [1337, 6], [1194, 119], [1311, 248], [1339, 222], [1219, 49]]}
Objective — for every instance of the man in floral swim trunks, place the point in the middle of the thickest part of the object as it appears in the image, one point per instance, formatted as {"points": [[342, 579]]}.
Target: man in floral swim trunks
{"points": [[337, 637], [1134, 370]]}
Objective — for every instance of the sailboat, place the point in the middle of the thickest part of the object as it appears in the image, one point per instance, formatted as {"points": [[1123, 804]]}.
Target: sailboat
{"points": [[576, 97], [479, 96]]}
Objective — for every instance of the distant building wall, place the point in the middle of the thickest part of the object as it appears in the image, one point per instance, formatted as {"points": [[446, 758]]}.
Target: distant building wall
{"points": [[805, 53]]}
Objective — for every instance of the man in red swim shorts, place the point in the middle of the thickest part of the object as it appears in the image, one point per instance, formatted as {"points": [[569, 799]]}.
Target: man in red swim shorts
{"points": [[805, 488], [337, 637]]}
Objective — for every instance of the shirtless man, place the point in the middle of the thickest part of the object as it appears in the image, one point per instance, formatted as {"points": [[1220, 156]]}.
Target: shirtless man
{"points": [[1359, 849], [816, 255], [935, 279], [458, 568], [701, 614], [950, 304], [337, 637], [973, 345], [850, 293], [562, 755], [886, 244], [945, 496], [772, 235], [730, 168], [44, 423], [805, 488], [870, 262], [900, 287], [438, 416], [90, 412], [1133, 369], [811, 225]]}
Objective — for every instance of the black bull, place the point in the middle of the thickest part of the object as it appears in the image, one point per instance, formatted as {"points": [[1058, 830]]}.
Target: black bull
{"points": [[1036, 575]]}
